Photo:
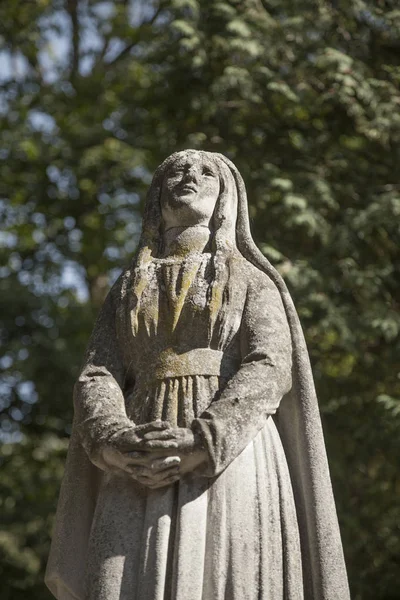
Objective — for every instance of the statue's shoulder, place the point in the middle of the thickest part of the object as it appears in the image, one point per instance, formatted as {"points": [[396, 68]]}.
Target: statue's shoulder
{"points": [[121, 285], [250, 275]]}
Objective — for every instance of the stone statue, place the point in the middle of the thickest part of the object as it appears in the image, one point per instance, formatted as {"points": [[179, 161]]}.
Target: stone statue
{"points": [[197, 468]]}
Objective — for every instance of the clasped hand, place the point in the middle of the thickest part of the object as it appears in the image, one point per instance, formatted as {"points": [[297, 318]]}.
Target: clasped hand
{"points": [[155, 454]]}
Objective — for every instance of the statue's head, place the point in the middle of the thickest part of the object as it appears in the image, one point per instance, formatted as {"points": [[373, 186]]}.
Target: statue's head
{"points": [[189, 191], [192, 188]]}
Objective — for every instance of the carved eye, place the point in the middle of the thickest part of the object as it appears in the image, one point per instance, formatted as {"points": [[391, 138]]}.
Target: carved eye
{"points": [[207, 172], [176, 171]]}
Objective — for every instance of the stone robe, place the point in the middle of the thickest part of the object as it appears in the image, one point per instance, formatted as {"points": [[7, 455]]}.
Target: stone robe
{"points": [[227, 532]]}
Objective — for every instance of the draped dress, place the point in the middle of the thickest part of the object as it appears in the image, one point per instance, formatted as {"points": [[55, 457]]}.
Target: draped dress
{"points": [[227, 531]]}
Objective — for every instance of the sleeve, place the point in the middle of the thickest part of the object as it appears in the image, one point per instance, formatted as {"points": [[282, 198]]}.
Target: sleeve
{"points": [[99, 403], [256, 389]]}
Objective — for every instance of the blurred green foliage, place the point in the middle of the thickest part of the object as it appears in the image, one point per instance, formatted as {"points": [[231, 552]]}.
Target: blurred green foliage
{"points": [[304, 96]]}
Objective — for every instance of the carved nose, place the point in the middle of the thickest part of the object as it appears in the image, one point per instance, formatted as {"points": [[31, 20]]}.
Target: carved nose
{"points": [[192, 175]]}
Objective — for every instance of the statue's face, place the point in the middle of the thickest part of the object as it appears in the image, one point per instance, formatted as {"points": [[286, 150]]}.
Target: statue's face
{"points": [[189, 191]]}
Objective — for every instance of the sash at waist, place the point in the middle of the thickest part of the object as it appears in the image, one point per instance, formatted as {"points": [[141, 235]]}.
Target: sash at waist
{"points": [[199, 361]]}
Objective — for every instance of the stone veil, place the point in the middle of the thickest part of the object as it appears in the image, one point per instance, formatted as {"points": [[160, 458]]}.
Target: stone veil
{"points": [[232, 532]]}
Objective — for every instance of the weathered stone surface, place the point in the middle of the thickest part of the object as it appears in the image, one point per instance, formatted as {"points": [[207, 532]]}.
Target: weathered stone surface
{"points": [[197, 468]]}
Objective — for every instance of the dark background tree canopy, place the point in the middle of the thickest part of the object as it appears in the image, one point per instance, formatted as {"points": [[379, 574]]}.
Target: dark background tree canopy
{"points": [[303, 95]]}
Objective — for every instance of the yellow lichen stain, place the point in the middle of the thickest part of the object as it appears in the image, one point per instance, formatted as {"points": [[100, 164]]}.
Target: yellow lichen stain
{"points": [[215, 301], [188, 276], [169, 363]]}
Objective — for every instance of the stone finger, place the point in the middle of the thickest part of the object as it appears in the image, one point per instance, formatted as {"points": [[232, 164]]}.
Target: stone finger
{"points": [[153, 426], [161, 444], [162, 464], [159, 435]]}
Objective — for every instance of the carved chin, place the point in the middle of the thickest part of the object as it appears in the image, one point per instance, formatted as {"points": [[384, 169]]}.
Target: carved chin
{"points": [[190, 194], [182, 199]]}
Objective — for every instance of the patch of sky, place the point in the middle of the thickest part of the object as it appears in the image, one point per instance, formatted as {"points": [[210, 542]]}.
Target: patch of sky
{"points": [[121, 134], [141, 172], [14, 262], [104, 198], [134, 226], [23, 354], [9, 437], [16, 414], [69, 222], [5, 399], [65, 181], [104, 10], [115, 46], [38, 236], [39, 219], [13, 66], [4, 106], [119, 198], [27, 392], [91, 44], [112, 253], [140, 11], [131, 244], [55, 47], [15, 215], [50, 252], [63, 301], [86, 64], [73, 278], [108, 124], [8, 384], [112, 122], [74, 239], [8, 239], [41, 121], [126, 215], [68, 275], [4, 272], [5, 66], [6, 361], [43, 319], [53, 173], [113, 275], [24, 278], [90, 36]]}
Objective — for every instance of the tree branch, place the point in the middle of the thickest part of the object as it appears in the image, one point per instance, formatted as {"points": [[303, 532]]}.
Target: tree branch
{"points": [[129, 47], [104, 49], [72, 10]]}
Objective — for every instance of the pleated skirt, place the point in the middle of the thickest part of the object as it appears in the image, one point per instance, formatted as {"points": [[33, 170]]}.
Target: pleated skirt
{"points": [[234, 537]]}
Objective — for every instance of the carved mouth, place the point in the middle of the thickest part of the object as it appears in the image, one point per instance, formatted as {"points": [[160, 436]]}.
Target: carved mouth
{"points": [[189, 188]]}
